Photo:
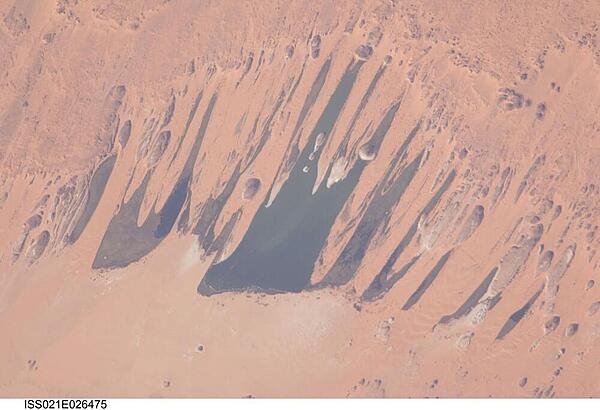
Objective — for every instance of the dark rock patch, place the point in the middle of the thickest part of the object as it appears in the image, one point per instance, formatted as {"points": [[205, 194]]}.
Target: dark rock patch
{"points": [[545, 261], [159, 147], [39, 246], [251, 187], [593, 308], [571, 329], [551, 324], [364, 52], [169, 112], [33, 222], [540, 111], [510, 99], [315, 46], [289, 51], [472, 223]]}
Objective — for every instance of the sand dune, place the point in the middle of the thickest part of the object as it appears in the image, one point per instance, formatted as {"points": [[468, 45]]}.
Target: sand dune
{"points": [[334, 199]]}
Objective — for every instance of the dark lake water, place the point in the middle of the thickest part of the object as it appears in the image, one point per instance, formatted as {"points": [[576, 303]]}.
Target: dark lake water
{"points": [[279, 250]]}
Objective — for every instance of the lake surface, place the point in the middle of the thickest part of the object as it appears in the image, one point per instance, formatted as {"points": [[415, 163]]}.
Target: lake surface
{"points": [[284, 240]]}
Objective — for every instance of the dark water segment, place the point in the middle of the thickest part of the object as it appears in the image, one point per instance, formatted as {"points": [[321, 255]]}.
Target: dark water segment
{"points": [[341, 152], [184, 219], [414, 298], [172, 208], [124, 133], [265, 134], [386, 279], [283, 241], [516, 317], [471, 300], [313, 94], [190, 118], [221, 241], [211, 210], [296, 82], [97, 186], [124, 241], [292, 150]]}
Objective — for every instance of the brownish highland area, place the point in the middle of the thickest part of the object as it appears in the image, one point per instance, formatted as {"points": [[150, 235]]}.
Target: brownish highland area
{"points": [[353, 198]]}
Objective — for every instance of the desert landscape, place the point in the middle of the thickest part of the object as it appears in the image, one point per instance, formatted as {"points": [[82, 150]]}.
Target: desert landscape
{"points": [[358, 198]]}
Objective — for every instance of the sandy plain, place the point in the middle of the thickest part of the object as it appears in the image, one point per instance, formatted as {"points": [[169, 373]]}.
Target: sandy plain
{"points": [[496, 111]]}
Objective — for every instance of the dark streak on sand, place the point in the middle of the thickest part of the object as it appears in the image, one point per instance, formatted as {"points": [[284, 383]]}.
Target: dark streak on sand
{"points": [[414, 298], [383, 283], [97, 186], [537, 164], [351, 256], [471, 300], [376, 214], [516, 317], [386, 279]]}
